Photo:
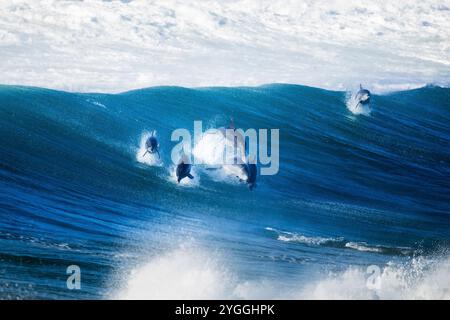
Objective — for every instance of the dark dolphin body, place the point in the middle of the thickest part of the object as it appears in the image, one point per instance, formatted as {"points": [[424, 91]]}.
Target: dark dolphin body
{"points": [[151, 145], [183, 171], [363, 96], [250, 172]]}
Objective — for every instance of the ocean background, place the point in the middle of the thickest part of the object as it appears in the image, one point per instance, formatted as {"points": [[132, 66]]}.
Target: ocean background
{"points": [[353, 190]]}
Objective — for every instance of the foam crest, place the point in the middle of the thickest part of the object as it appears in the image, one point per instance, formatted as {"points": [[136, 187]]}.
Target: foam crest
{"points": [[287, 236], [338, 242]]}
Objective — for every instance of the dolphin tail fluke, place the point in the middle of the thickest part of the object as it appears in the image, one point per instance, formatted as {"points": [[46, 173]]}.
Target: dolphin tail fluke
{"points": [[190, 176]]}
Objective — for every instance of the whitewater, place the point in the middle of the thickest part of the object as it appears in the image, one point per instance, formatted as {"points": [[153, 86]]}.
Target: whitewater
{"points": [[113, 46]]}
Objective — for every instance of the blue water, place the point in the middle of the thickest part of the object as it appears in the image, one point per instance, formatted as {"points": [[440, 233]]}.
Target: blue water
{"points": [[352, 191]]}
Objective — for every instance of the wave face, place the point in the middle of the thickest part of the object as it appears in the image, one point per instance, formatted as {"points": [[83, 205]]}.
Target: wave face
{"points": [[352, 191]]}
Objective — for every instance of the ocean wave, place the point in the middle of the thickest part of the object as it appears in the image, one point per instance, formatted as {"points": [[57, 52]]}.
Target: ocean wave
{"points": [[71, 176]]}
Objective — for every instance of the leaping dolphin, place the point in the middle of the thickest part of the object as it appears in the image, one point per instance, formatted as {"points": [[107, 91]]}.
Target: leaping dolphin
{"points": [[184, 168], [151, 145], [183, 171], [251, 175], [363, 96], [247, 174]]}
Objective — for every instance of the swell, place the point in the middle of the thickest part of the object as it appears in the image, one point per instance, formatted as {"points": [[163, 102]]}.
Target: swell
{"points": [[396, 158], [70, 172]]}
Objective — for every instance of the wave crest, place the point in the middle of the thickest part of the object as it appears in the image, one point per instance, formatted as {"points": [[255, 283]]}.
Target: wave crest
{"points": [[193, 273]]}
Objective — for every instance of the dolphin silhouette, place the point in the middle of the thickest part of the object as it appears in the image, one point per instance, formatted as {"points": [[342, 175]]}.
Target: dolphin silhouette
{"points": [[183, 171], [363, 96], [151, 145]]}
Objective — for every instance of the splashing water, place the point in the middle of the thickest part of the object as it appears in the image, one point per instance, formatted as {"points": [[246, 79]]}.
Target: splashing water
{"points": [[195, 273], [355, 107]]}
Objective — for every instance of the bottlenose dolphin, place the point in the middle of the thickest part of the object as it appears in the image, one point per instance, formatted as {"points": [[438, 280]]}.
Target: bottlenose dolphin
{"points": [[151, 145], [247, 173], [251, 175], [363, 96], [184, 168], [183, 171]]}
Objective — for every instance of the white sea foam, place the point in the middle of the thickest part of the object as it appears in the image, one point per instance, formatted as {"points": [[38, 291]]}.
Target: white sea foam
{"points": [[287, 236], [419, 278], [182, 274], [96, 103], [119, 45], [363, 247], [210, 150], [215, 162], [193, 273]]}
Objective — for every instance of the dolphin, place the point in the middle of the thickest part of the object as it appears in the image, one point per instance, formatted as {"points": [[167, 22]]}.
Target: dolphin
{"points": [[252, 173], [248, 173], [151, 145], [183, 171], [363, 96]]}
